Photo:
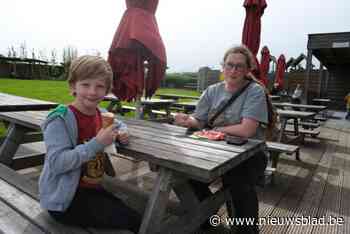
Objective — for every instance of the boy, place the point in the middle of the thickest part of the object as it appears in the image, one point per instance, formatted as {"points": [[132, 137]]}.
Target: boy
{"points": [[70, 183], [347, 100]]}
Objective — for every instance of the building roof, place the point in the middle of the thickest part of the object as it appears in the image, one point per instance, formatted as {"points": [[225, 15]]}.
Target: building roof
{"points": [[25, 60], [332, 49]]}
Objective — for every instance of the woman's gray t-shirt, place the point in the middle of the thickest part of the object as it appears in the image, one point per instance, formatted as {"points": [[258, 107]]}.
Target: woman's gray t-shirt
{"points": [[250, 104]]}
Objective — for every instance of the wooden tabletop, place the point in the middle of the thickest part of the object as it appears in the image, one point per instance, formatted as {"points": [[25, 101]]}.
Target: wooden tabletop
{"points": [[176, 96], [167, 146], [309, 107], [274, 97], [321, 100], [10, 102], [295, 114]]}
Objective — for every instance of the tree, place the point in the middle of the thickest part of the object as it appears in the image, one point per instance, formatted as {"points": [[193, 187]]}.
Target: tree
{"points": [[69, 53], [53, 56], [23, 50], [14, 54]]}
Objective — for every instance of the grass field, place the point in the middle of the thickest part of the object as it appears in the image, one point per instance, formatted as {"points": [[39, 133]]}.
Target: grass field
{"points": [[56, 91]]}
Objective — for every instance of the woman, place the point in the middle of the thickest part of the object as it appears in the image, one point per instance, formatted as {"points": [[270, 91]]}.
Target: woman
{"points": [[246, 117]]}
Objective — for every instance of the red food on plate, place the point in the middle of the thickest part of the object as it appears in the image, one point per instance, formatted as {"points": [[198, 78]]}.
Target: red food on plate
{"points": [[210, 134]]}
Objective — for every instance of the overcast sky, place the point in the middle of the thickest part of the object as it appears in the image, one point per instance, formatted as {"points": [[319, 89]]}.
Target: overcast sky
{"points": [[195, 32]]}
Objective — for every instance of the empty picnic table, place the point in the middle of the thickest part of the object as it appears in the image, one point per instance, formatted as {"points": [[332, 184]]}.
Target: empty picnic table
{"points": [[147, 106], [285, 115], [187, 107], [313, 108], [178, 158], [176, 96], [9, 102]]}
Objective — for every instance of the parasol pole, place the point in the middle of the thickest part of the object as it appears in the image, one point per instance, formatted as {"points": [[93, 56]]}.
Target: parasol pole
{"points": [[139, 113]]}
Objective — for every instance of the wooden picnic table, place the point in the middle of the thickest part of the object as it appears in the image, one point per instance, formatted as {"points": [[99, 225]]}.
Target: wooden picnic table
{"points": [[286, 115], [178, 158], [147, 105], [313, 108], [155, 104], [188, 107], [176, 96], [9, 102], [325, 102]]}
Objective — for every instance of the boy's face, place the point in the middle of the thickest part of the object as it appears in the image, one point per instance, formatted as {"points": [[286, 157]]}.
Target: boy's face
{"points": [[89, 92]]}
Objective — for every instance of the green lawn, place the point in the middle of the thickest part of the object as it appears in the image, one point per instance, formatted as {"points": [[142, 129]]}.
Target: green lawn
{"points": [[56, 91]]}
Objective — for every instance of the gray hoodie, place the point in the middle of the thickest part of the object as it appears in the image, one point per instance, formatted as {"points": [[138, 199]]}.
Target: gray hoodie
{"points": [[60, 176]]}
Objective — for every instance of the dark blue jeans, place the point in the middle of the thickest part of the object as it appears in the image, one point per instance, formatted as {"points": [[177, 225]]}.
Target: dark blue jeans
{"points": [[242, 181], [98, 209]]}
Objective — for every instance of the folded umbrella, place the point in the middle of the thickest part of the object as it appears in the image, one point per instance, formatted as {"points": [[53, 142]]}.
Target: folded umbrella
{"points": [[137, 40]]}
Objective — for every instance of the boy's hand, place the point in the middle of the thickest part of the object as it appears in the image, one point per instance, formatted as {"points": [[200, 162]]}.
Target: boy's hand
{"points": [[106, 136], [123, 137]]}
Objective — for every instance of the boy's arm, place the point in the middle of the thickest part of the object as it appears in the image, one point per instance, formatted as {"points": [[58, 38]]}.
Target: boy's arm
{"points": [[62, 156]]}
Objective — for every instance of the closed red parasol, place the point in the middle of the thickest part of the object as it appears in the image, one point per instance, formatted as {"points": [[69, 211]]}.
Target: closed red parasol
{"points": [[264, 64], [136, 41], [252, 27], [280, 69]]}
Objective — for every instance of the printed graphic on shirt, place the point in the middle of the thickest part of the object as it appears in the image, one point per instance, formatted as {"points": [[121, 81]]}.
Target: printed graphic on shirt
{"points": [[92, 171]]}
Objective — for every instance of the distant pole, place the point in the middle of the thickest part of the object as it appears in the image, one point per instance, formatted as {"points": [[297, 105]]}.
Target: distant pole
{"points": [[320, 80], [308, 70]]}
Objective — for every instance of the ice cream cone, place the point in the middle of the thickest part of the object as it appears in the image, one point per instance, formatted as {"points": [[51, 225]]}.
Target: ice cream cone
{"points": [[107, 119]]}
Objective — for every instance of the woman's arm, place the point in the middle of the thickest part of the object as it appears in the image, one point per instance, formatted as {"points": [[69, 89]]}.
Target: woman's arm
{"points": [[247, 128], [186, 120]]}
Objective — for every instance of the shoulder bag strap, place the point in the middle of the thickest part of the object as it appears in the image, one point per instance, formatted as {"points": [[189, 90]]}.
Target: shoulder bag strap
{"points": [[228, 103]]}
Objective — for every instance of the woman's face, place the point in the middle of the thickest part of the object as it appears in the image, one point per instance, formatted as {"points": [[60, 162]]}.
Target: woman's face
{"points": [[235, 69]]}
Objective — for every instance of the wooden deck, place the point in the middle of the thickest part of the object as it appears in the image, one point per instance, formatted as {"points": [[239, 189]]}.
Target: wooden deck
{"points": [[318, 186]]}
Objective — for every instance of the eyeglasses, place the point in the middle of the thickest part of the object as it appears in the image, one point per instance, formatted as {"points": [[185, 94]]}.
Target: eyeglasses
{"points": [[237, 67]]}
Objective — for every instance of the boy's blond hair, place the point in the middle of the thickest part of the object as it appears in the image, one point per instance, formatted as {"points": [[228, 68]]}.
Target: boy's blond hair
{"points": [[90, 67]]}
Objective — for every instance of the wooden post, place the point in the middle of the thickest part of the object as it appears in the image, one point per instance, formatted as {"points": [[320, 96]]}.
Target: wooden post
{"points": [[320, 78], [326, 83], [308, 70]]}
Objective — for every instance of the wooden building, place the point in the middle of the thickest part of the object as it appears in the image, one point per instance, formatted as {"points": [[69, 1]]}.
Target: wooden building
{"points": [[333, 52], [25, 68], [206, 77]]}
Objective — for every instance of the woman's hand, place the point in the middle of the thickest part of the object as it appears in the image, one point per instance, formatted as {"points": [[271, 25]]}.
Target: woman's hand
{"points": [[106, 136], [123, 137], [181, 119]]}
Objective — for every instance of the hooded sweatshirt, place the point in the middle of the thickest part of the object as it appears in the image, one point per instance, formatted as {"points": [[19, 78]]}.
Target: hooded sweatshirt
{"points": [[60, 176]]}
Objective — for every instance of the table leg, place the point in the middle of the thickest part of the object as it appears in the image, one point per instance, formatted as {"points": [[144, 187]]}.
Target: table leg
{"points": [[296, 127], [9, 146], [283, 127], [157, 203]]}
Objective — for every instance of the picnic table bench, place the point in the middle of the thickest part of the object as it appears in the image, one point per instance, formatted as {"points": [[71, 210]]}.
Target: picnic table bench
{"points": [[9, 102], [177, 157], [21, 212]]}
